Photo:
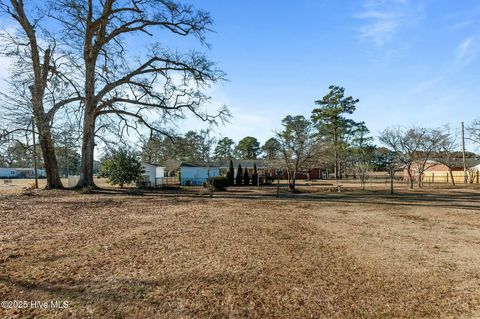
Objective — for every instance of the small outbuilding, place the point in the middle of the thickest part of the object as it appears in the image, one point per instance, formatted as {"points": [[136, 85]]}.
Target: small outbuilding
{"points": [[151, 173]]}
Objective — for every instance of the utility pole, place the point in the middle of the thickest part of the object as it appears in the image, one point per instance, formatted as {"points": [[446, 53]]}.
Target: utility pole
{"points": [[34, 155], [66, 155], [278, 183], [463, 152]]}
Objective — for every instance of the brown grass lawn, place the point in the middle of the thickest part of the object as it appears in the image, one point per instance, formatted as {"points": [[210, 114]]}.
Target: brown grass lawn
{"points": [[242, 254]]}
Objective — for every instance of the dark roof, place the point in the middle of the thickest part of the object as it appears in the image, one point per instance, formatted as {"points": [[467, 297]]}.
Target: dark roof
{"points": [[458, 162], [245, 163], [225, 164], [191, 165]]}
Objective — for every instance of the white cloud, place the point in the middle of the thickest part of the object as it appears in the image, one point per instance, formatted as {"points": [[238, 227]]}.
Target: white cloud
{"points": [[462, 24], [466, 51], [426, 85], [383, 18]]}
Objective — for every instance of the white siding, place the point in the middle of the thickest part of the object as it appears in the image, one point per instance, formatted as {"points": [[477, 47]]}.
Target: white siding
{"points": [[149, 173], [152, 172], [160, 171]]}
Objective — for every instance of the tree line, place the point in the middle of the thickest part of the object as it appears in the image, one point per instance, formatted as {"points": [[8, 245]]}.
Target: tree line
{"points": [[73, 68], [329, 139]]}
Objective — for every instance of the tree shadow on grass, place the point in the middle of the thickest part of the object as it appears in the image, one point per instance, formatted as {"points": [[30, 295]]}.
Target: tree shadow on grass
{"points": [[448, 198]]}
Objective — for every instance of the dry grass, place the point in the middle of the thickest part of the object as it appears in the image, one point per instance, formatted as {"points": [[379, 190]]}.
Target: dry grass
{"points": [[242, 254]]}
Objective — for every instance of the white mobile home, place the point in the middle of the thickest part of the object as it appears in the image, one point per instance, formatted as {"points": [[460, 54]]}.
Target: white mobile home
{"points": [[14, 172], [8, 172], [193, 175]]}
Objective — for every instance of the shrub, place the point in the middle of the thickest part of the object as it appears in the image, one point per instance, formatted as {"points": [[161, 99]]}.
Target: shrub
{"points": [[254, 174], [239, 177], [219, 182], [122, 168], [231, 174], [246, 177]]}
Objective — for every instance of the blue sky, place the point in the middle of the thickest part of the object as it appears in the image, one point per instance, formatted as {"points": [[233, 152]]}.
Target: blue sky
{"points": [[409, 62]]}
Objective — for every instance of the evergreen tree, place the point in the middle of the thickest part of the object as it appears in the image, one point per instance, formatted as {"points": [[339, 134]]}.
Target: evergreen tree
{"points": [[239, 177], [254, 175], [333, 124], [122, 168], [272, 149], [247, 148], [231, 174], [246, 177], [224, 149]]}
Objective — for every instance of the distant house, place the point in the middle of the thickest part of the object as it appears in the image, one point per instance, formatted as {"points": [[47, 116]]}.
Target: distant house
{"points": [[152, 173], [15, 172], [476, 167], [436, 172], [195, 175]]}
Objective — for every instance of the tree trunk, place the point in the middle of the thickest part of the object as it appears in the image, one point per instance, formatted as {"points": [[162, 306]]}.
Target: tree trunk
{"points": [[392, 175], [46, 144], [291, 183], [50, 160], [37, 90], [337, 159], [451, 175], [88, 147], [410, 177], [89, 118]]}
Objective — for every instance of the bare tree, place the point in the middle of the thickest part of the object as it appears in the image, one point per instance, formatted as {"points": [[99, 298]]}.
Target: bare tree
{"points": [[299, 145], [361, 151], [413, 147], [37, 67], [157, 86], [431, 142], [388, 160], [473, 131], [448, 152]]}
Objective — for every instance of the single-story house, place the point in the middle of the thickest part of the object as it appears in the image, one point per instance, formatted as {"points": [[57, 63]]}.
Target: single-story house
{"points": [[436, 172], [8, 172], [475, 168], [16, 172], [196, 175], [152, 173]]}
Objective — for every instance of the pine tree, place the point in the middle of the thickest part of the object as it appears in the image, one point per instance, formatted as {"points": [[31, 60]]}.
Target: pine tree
{"points": [[239, 177]]}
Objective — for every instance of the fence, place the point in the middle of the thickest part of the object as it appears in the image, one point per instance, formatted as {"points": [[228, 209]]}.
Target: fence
{"points": [[445, 177], [166, 181], [193, 181], [175, 181]]}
